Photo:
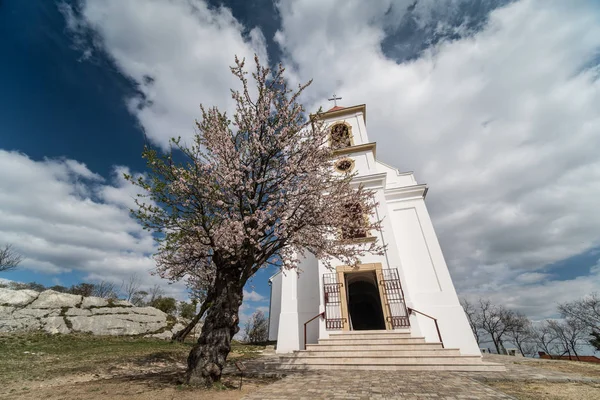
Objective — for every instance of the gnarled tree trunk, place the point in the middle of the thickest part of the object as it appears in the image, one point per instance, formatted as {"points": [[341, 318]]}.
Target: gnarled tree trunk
{"points": [[208, 356]]}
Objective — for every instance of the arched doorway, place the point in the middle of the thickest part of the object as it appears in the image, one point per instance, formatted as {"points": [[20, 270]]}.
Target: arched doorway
{"points": [[364, 302]]}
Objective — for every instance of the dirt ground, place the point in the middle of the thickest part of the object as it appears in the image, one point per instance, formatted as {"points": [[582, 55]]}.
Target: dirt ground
{"points": [[130, 388], [83, 367], [548, 390]]}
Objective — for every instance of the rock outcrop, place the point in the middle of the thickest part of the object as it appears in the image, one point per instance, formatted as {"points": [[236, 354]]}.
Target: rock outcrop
{"points": [[54, 312]]}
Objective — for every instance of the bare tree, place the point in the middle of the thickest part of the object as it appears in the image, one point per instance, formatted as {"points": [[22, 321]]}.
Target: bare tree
{"points": [[473, 316], [587, 312], [257, 328], [520, 332], [496, 321], [104, 289], [155, 292], [570, 335], [9, 258], [131, 286], [82, 289], [139, 298], [545, 339]]}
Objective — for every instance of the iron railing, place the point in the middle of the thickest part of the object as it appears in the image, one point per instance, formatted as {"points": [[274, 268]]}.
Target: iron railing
{"points": [[307, 322], [411, 310]]}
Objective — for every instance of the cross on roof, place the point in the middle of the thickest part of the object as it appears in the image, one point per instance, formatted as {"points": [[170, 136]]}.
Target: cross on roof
{"points": [[334, 99]]}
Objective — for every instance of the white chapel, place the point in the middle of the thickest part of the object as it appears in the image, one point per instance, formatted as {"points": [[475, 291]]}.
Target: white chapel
{"points": [[395, 309]]}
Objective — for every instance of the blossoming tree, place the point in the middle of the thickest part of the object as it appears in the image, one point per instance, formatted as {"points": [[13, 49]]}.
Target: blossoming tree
{"points": [[249, 192]]}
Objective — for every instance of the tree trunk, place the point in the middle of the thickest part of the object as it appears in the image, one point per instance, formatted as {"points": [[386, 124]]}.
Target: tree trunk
{"points": [[208, 356], [496, 345], [182, 334]]}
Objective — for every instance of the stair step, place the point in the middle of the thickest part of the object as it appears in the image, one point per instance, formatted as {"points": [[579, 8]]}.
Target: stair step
{"points": [[344, 340], [369, 346], [481, 367], [381, 335], [382, 360], [319, 352], [384, 332]]}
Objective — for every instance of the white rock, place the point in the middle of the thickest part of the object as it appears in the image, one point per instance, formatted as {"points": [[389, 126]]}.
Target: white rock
{"points": [[122, 303], [147, 311], [166, 335], [110, 310], [56, 325], [6, 312], [17, 297], [116, 324], [20, 324], [94, 302], [54, 312], [77, 311], [31, 313], [52, 299]]}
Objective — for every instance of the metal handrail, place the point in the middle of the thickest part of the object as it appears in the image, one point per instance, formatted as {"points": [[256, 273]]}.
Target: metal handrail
{"points": [[410, 310], [310, 320]]}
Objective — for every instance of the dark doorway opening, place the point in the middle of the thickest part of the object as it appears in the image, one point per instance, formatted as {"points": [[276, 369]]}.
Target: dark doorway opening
{"points": [[364, 303]]}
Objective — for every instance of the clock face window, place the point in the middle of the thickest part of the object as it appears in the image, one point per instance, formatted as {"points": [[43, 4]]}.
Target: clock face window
{"points": [[344, 165], [340, 136]]}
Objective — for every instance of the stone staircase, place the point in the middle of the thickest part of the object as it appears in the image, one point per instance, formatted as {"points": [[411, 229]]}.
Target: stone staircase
{"points": [[382, 350]]}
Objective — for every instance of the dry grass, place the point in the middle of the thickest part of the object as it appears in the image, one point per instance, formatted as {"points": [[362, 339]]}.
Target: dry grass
{"points": [[37, 366], [588, 369], [548, 390]]}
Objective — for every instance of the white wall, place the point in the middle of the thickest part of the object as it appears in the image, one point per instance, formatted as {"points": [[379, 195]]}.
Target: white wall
{"points": [[300, 302], [427, 277], [274, 306]]}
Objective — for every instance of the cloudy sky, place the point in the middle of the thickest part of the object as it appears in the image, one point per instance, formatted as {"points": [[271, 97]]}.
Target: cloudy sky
{"points": [[494, 104]]}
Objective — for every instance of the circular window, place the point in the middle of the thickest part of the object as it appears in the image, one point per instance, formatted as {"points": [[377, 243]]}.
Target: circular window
{"points": [[344, 165]]}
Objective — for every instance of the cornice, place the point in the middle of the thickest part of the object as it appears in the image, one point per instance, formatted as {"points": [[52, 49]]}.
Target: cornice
{"points": [[343, 111], [372, 181], [406, 193], [356, 149]]}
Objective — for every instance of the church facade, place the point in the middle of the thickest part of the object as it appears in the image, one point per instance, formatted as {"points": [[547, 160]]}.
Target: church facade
{"points": [[401, 290]]}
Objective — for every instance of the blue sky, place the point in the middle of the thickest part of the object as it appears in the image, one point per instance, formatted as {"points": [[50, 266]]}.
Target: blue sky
{"points": [[487, 101]]}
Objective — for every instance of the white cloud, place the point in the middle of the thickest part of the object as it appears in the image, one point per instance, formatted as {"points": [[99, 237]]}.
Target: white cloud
{"points": [[539, 299], [502, 124], [49, 212], [253, 296], [178, 52]]}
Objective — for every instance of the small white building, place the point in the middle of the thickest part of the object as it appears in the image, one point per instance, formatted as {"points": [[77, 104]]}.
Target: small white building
{"points": [[379, 293]]}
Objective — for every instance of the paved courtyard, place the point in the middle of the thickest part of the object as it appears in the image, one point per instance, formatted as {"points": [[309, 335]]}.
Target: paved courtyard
{"points": [[365, 385], [318, 385]]}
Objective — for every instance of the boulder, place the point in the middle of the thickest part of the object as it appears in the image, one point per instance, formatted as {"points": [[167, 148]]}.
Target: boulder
{"points": [[54, 312], [89, 302], [117, 324], [52, 299], [17, 298], [56, 325]]}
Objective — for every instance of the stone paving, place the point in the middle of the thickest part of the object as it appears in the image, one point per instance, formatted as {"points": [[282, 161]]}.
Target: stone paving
{"points": [[358, 385], [317, 385]]}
